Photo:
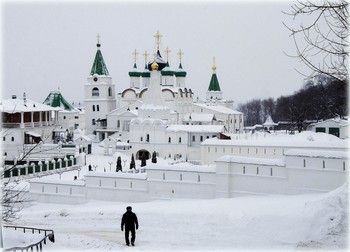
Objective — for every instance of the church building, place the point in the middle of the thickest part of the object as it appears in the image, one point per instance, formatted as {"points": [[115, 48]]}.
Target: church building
{"points": [[157, 112]]}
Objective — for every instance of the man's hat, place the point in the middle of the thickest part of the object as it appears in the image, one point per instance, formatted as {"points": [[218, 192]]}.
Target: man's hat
{"points": [[128, 207]]}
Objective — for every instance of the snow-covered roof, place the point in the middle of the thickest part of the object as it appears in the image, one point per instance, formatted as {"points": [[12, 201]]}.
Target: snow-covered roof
{"points": [[123, 109], [304, 139], [183, 167], [269, 122], [117, 175], [196, 128], [336, 120], [318, 153], [83, 138], [217, 108], [19, 105], [198, 117], [250, 160], [56, 99]]}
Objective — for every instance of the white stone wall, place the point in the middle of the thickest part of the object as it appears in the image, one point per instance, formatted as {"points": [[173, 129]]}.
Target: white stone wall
{"points": [[116, 187], [210, 152], [172, 182], [58, 192], [232, 176]]}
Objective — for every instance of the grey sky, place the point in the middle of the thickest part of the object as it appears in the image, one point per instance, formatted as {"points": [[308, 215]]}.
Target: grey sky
{"points": [[49, 45]]}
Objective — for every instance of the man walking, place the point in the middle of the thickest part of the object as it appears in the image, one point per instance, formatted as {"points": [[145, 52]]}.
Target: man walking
{"points": [[129, 220]]}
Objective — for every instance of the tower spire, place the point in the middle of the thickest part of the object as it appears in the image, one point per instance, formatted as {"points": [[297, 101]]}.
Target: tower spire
{"points": [[214, 83], [99, 67]]}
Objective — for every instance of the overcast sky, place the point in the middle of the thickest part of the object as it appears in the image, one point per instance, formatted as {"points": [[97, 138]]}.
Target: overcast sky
{"points": [[51, 45]]}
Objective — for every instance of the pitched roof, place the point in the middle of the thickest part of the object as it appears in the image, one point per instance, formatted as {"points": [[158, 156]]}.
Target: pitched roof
{"points": [[99, 66], [55, 99]]}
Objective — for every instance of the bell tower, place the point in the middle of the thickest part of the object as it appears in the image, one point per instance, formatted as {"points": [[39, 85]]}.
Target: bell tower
{"points": [[99, 93]]}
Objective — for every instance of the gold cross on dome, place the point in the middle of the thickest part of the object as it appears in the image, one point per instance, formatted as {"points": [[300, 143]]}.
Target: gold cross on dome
{"points": [[180, 53], [145, 55], [158, 36], [167, 51], [98, 38], [135, 55]]}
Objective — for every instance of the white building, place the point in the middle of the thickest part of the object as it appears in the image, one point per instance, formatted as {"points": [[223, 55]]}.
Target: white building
{"points": [[25, 123], [335, 126]]}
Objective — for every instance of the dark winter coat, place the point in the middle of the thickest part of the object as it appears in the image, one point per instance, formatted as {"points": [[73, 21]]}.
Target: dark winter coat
{"points": [[129, 219]]}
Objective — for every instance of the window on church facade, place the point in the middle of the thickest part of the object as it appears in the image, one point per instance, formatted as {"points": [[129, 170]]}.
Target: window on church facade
{"points": [[95, 92], [179, 139], [109, 91], [193, 138], [147, 138], [98, 107], [93, 122], [93, 107], [169, 140], [201, 138]]}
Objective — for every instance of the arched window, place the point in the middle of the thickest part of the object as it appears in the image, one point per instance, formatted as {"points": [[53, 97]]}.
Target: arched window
{"points": [[95, 91], [98, 107], [109, 91], [93, 107], [93, 122]]}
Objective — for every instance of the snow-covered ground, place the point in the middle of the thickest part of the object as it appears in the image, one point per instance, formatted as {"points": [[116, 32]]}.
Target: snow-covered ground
{"points": [[259, 222], [314, 221]]}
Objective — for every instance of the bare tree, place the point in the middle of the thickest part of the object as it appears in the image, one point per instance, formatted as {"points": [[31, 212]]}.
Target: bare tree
{"points": [[321, 38]]}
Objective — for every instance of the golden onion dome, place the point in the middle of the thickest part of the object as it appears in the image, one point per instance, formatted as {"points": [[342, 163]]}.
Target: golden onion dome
{"points": [[154, 66]]}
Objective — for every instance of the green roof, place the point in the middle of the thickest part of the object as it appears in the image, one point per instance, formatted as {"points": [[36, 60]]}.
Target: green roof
{"points": [[167, 71], [134, 72], [55, 99], [180, 72], [214, 83], [146, 72], [99, 66]]}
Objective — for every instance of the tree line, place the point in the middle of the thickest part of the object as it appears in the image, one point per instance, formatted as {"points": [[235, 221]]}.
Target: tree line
{"points": [[320, 98]]}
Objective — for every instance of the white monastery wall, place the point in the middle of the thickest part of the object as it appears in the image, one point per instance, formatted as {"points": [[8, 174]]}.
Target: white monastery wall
{"points": [[231, 176]]}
